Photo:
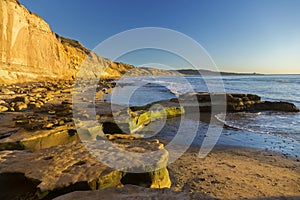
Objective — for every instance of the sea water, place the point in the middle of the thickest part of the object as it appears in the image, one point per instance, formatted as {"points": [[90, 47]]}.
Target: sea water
{"points": [[278, 131]]}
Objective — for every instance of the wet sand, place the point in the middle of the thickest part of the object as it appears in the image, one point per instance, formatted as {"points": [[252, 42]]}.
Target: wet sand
{"points": [[237, 173]]}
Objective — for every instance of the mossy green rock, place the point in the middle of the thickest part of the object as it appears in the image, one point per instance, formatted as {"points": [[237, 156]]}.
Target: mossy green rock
{"points": [[40, 139], [143, 118], [62, 169]]}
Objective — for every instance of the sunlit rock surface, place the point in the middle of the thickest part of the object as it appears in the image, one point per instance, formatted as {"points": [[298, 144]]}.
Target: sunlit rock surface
{"points": [[132, 192], [61, 169]]}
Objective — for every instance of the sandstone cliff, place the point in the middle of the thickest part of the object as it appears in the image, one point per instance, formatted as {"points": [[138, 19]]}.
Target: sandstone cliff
{"points": [[31, 51]]}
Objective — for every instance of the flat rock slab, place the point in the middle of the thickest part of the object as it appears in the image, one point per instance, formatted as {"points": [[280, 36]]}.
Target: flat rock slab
{"points": [[131, 192], [16, 138], [61, 169], [221, 102]]}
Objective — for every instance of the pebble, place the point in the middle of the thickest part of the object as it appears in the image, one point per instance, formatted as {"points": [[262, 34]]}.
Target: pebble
{"points": [[39, 90], [31, 105], [39, 104], [20, 106], [2, 102], [65, 102], [3, 108], [32, 99], [22, 122], [48, 126], [51, 112]]}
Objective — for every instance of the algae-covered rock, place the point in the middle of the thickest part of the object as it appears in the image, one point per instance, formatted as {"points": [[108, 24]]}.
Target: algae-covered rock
{"points": [[143, 118], [39, 139]]}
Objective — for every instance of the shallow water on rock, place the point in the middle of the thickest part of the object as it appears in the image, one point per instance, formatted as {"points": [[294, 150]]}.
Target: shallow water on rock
{"points": [[233, 137]]}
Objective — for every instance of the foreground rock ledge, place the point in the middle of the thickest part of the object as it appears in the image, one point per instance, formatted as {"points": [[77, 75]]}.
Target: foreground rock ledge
{"points": [[59, 170], [132, 192]]}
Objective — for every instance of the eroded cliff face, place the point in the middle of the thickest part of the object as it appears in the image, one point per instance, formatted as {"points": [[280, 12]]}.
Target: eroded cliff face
{"points": [[31, 51]]}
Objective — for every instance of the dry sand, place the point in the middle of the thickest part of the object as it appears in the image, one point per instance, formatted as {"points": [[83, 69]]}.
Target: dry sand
{"points": [[237, 173]]}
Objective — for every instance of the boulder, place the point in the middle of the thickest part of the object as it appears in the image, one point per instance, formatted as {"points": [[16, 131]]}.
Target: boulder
{"points": [[62, 169], [276, 106]]}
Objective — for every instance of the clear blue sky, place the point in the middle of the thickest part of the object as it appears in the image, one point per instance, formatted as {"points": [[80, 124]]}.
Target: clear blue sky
{"points": [[240, 35]]}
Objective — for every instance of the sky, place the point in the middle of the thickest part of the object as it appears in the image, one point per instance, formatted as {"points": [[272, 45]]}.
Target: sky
{"points": [[261, 36]]}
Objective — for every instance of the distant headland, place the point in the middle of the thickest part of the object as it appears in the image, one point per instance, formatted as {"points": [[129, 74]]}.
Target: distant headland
{"points": [[193, 72]]}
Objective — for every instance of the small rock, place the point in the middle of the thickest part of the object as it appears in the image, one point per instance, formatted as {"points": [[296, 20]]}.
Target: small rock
{"points": [[43, 100], [32, 105], [39, 104], [7, 91], [68, 119], [39, 90], [66, 102], [22, 122], [85, 99], [20, 106], [50, 88], [3, 108], [51, 112], [23, 99], [38, 95], [31, 99], [85, 116], [48, 126], [45, 118]]}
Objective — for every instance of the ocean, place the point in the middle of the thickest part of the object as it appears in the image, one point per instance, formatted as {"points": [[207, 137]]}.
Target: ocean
{"points": [[276, 131]]}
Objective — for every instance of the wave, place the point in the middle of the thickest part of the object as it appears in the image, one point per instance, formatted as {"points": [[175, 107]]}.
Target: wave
{"points": [[234, 125], [177, 88], [284, 81], [279, 124]]}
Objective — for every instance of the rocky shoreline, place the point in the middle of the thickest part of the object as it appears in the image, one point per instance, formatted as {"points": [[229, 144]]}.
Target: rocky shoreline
{"points": [[38, 129], [41, 147], [46, 152]]}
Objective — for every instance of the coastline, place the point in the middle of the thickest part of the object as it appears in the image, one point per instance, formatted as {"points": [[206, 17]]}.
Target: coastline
{"points": [[60, 136], [227, 172]]}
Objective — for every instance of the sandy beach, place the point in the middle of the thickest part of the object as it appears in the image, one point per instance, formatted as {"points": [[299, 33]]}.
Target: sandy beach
{"points": [[237, 173]]}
